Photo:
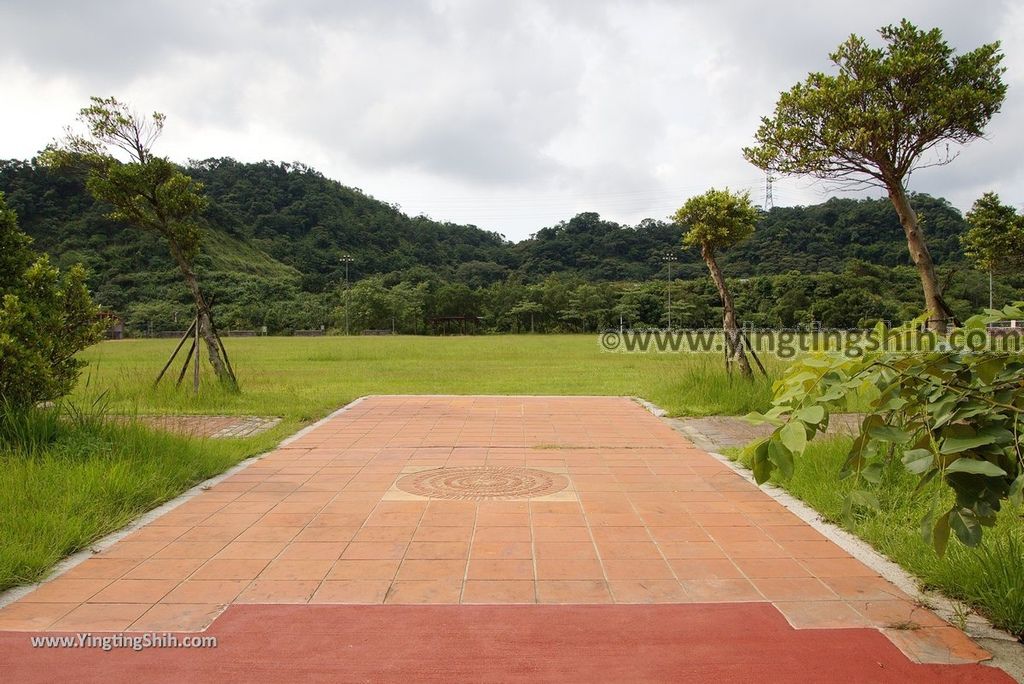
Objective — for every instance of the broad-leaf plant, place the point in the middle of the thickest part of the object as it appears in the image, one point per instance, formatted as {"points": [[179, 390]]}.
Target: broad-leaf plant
{"points": [[953, 416]]}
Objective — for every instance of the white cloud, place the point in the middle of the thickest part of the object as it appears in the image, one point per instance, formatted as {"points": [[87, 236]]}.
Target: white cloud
{"points": [[508, 115]]}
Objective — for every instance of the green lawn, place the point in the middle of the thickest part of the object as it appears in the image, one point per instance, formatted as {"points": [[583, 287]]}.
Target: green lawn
{"points": [[990, 578], [303, 378]]}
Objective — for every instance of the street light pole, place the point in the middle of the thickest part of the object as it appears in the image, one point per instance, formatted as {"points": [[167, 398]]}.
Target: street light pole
{"points": [[668, 258], [347, 259]]}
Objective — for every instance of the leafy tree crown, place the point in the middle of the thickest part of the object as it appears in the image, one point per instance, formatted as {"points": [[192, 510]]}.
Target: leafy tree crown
{"points": [[146, 190], [995, 237], [885, 112], [718, 219]]}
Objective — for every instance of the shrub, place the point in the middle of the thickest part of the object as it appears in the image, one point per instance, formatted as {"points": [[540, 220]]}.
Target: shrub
{"points": [[953, 416], [46, 317]]}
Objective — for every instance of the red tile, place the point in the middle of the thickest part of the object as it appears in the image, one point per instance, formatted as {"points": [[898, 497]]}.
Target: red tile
{"points": [[422, 569], [647, 591], [770, 567], [135, 591], [499, 591], [425, 591], [364, 569], [794, 589], [283, 569], [488, 569], [821, 614], [705, 568], [720, 590], [352, 591], [560, 591], [501, 550], [637, 569], [569, 569], [278, 591]]}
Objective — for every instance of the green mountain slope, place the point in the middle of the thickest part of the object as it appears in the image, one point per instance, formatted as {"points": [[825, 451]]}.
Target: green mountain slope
{"points": [[274, 232]]}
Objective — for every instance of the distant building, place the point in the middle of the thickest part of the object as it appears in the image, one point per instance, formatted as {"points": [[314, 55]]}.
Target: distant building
{"points": [[114, 324]]}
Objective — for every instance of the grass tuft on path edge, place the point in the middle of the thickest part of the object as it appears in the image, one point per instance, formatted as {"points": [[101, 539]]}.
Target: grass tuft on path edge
{"points": [[82, 479]]}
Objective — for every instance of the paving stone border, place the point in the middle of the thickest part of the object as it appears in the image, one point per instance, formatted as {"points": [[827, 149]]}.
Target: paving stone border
{"points": [[214, 427]]}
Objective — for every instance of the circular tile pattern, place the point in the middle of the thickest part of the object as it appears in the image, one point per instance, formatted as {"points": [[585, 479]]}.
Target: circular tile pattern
{"points": [[482, 483]]}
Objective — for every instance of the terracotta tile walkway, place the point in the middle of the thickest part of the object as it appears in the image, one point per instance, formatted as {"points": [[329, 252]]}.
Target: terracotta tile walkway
{"points": [[644, 517]]}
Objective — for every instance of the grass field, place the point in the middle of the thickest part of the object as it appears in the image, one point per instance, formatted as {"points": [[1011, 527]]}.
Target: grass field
{"points": [[990, 578], [302, 379]]}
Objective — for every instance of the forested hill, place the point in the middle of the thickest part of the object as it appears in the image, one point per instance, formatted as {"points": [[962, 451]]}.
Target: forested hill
{"points": [[812, 239], [274, 233]]}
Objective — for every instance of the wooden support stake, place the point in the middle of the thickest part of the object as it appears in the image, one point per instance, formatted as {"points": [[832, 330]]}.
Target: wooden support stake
{"points": [[195, 366], [185, 365], [754, 354], [181, 342]]}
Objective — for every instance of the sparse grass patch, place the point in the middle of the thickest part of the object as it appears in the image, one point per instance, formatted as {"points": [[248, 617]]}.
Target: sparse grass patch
{"points": [[989, 578]]}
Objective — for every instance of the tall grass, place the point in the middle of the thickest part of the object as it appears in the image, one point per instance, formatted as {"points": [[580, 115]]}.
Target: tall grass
{"points": [[990, 577], [68, 476]]}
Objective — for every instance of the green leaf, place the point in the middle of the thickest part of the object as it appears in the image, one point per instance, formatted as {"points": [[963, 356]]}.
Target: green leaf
{"points": [[865, 499], [1016, 493], [889, 433], [794, 436], [966, 526], [873, 473], [975, 466], [760, 464], [954, 445], [918, 461], [925, 479], [811, 414], [780, 456], [988, 368]]}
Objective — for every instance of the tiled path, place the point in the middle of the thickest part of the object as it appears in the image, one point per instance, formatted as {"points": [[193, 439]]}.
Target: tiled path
{"points": [[645, 518]]}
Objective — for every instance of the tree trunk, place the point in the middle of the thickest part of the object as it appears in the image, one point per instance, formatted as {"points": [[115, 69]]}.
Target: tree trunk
{"points": [[733, 341], [205, 320], [938, 310]]}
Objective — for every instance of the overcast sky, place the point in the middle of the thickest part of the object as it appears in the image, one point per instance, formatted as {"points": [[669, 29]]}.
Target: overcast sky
{"points": [[511, 115]]}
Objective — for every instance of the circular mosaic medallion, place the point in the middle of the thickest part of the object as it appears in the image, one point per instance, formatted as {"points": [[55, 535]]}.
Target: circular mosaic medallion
{"points": [[481, 483]]}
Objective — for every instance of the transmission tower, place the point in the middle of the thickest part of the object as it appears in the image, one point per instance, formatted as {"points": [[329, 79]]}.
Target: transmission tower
{"points": [[768, 202]]}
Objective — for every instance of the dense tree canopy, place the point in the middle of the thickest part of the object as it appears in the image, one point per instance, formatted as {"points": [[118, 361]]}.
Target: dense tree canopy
{"points": [[292, 280]]}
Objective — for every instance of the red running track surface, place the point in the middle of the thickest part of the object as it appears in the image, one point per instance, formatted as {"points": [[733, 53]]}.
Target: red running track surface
{"points": [[742, 642]]}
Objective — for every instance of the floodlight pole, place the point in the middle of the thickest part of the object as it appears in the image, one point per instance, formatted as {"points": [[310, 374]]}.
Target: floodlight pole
{"points": [[347, 259], [668, 258]]}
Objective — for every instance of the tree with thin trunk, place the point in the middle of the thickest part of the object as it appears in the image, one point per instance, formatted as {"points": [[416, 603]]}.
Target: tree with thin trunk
{"points": [[144, 190], [887, 112], [994, 240], [715, 221]]}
